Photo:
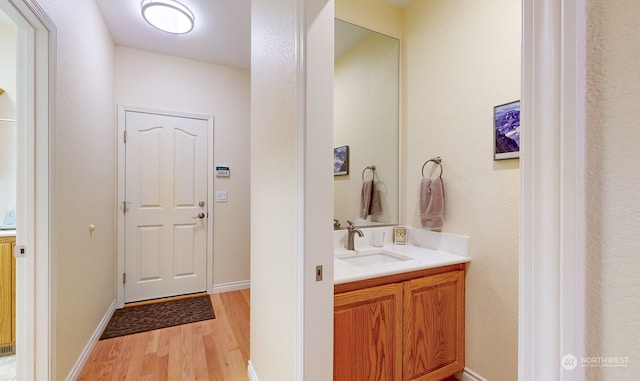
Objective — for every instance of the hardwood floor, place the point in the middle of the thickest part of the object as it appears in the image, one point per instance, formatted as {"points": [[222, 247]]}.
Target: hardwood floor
{"points": [[211, 350]]}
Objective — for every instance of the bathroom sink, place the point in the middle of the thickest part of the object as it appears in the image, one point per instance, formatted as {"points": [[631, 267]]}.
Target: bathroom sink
{"points": [[372, 258]]}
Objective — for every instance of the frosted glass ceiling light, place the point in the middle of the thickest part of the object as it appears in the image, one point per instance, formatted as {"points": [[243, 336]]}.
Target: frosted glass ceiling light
{"points": [[168, 15]]}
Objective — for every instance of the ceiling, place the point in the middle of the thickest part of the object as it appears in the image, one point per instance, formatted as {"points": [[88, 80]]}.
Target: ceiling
{"points": [[221, 34], [222, 31]]}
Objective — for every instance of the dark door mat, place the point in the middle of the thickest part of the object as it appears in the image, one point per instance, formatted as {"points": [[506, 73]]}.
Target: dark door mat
{"points": [[130, 320]]}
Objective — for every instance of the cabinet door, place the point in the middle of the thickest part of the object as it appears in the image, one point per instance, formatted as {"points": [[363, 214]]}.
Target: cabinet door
{"points": [[433, 315], [368, 334], [13, 293], [6, 292]]}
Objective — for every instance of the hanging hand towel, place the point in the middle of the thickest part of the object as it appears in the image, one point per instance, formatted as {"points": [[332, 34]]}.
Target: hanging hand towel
{"points": [[432, 203], [369, 200], [374, 206]]}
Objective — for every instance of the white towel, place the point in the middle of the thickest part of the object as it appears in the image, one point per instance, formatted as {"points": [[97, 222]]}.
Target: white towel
{"points": [[432, 203]]}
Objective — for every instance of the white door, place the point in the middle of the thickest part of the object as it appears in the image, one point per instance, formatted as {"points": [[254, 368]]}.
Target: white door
{"points": [[165, 212]]}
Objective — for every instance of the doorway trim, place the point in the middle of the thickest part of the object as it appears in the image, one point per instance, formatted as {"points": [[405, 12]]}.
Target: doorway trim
{"points": [[120, 231], [35, 115], [552, 202]]}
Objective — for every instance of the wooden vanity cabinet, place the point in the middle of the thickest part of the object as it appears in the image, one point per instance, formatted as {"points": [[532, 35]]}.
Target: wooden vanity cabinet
{"points": [[7, 294], [407, 327]]}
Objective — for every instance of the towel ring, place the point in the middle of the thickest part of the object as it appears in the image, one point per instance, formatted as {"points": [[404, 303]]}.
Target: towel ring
{"points": [[373, 171], [436, 160]]}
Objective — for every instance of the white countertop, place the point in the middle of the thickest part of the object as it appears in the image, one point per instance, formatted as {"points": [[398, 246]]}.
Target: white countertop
{"points": [[424, 250], [420, 259], [7, 233]]}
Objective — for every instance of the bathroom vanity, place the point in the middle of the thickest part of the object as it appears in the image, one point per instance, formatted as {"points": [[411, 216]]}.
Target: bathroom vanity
{"points": [[399, 309], [7, 293]]}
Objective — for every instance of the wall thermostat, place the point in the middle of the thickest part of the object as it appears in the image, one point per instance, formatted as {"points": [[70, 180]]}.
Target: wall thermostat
{"points": [[222, 171]]}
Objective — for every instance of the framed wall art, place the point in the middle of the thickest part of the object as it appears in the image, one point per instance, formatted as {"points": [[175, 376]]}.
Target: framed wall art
{"points": [[341, 161], [506, 128]]}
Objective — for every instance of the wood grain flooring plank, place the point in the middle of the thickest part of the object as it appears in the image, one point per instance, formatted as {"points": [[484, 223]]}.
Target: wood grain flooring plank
{"points": [[236, 361], [152, 342], [175, 357]]}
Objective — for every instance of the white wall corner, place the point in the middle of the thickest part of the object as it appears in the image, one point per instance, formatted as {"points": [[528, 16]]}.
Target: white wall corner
{"points": [[469, 375], [86, 352]]}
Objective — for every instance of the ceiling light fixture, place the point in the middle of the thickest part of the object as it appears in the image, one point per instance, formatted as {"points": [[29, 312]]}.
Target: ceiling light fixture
{"points": [[168, 15]]}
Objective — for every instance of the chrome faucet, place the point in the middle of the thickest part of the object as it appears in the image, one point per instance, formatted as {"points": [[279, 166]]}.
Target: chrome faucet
{"points": [[351, 232]]}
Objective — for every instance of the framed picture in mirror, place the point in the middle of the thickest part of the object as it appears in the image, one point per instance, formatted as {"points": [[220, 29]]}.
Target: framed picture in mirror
{"points": [[399, 235], [341, 161]]}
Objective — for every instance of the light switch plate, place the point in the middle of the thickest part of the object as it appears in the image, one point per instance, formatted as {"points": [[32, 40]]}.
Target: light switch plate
{"points": [[221, 196]]}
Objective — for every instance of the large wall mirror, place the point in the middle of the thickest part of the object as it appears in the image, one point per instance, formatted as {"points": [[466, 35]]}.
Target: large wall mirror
{"points": [[366, 109]]}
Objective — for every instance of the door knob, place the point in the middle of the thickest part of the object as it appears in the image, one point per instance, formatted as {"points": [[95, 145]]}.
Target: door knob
{"points": [[200, 215]]}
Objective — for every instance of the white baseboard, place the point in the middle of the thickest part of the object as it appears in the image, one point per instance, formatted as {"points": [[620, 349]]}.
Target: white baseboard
{"points": [[252, 372], [469, 375], [84, 356], [231, 286]]}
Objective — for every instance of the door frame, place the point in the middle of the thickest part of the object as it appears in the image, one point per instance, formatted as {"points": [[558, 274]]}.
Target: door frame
{"points": [[35, 115], [120, 231], [552, 292]]}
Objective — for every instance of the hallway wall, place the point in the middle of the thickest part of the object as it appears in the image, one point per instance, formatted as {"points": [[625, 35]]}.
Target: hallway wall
{"points": [[83, 175]]}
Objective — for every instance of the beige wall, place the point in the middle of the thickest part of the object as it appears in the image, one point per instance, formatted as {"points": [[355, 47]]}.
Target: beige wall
{"points": [[83, 174], [7, 111], [158, 81], [461, 58], [613, 180], [274, 271]]}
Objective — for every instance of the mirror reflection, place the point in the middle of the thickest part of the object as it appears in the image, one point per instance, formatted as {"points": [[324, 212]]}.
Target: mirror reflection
{"points": [[366, 87]]}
